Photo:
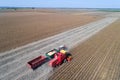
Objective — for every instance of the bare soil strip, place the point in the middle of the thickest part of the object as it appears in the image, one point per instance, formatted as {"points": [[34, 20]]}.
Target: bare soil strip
{"points": [[98, 58], [13, 63]]}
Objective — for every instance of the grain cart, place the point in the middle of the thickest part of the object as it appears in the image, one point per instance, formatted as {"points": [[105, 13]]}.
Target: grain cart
{"points": [[36, 62]]}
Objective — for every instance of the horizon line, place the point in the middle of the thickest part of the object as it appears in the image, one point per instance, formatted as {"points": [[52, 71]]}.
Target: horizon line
{"points": [[59, 7]]}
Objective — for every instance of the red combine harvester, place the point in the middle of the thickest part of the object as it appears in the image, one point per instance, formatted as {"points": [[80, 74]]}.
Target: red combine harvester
{"points": [[55, 58], [60, 58]]}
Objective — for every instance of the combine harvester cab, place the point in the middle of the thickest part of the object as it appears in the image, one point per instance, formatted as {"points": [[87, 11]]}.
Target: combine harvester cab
{"points": [[36, 62]]}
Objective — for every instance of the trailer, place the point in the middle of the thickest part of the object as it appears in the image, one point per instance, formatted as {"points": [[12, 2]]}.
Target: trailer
{"points": [[36, 62]]}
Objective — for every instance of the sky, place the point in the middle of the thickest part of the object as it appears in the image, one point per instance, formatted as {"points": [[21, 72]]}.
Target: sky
{"points": [[61, 3]]}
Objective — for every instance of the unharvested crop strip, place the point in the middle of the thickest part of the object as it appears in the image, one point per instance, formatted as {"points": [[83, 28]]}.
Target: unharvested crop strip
{"points": [[34, 75]]}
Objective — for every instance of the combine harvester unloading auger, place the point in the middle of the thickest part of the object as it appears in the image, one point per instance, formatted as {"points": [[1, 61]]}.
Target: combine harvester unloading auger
{"points": [[55, 57]]}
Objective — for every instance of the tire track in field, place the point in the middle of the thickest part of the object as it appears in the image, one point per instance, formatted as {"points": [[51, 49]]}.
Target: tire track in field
{"points": [[42, 42], [24, 60], [32, 73], [109, 69], [8, 57], [92, 60], [103, 60], [24, 54], [110, 72]]}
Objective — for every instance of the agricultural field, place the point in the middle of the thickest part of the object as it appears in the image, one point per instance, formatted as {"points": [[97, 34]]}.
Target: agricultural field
{"points": [[98, 58], [91, 37], [21, 27]]}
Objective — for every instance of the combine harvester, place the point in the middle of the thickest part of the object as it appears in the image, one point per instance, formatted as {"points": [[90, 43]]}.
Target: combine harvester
{"points": [[55, 58]]}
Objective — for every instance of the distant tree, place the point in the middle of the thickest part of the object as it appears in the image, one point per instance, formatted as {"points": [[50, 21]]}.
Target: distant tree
{"points": [[33, 8], [15, 9]]}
